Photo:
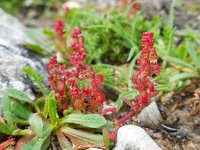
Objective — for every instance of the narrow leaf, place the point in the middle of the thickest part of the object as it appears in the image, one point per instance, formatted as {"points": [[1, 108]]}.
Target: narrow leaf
{"points": [[130, 56], [169, 46], [178, 61], [183, 76], [6, 103], [36, 124], [82, 135], [129, 94], [37, 49], [52, 107], [193, 54], [18, 95], [37, 143], [106, 139], [87, 120], [64, 142]]}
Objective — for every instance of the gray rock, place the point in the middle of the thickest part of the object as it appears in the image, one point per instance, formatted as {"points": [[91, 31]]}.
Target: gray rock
{"points": [[150, 116], [12, 30], [130, 137], [14, 57]]}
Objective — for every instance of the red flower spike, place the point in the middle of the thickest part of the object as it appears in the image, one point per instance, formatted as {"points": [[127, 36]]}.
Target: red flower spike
{"points": [[59, 27], [148, 67], [52, 63]]}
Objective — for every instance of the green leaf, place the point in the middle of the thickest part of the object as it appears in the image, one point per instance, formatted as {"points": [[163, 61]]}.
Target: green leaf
{"points": [[130, 56], [164, 87], [52, 107], [83, 135], [171, 15], [178, 61], [46, 107], [87, 120], [6, 103], [182, 52], [64, 142], [128, 94], [18, 95], [109, 126], [68, 111], [38, 143], [169, 46], [37, 79], [19, 110], [35, 34], [37, 49], [5, 129], [106, 139], [36, 124], [11, 119], [193, 54], [183, 76], [46, 143]]}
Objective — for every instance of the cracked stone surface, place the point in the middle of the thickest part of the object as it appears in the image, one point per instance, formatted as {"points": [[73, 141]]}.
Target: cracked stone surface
{"points": [[14, 57]]}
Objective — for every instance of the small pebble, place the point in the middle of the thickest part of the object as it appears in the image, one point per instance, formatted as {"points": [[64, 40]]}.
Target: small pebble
{"points": [[130, 137]]}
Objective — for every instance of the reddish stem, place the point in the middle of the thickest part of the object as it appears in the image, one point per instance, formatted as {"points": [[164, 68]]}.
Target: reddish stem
{"points": [[125, 100], [7, 143], [126, 117]]}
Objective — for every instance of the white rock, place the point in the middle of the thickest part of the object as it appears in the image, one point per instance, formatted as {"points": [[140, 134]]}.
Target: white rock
{"points": [[130, 137], [72, 4], [150, 116]]}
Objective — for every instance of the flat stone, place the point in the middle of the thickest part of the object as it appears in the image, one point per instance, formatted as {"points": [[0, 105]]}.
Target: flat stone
{"points": [[130, 137]]}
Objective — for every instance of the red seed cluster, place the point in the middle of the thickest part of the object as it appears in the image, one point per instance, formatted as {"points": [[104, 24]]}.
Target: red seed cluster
{"points": [[79, 88], [78, 48], [148, 68], [59, 27]]}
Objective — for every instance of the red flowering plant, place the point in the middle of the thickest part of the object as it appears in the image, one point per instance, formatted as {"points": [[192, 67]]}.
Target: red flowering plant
{"points": [[148, 67], [78, 94], [80, 87]]}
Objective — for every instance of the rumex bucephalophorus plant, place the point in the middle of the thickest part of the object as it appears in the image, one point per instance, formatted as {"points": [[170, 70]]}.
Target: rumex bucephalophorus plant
{"points": [[148, 67]]}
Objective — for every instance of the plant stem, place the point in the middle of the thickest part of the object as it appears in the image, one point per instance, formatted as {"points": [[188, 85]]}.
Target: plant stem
{"points": [[36, 108]]}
